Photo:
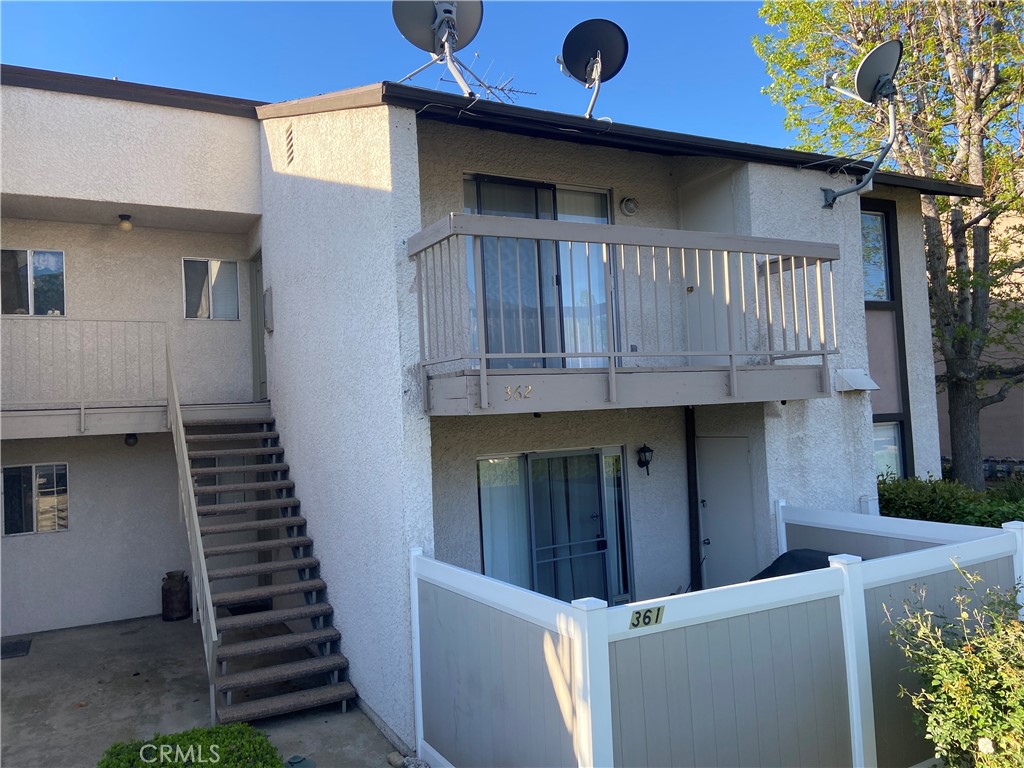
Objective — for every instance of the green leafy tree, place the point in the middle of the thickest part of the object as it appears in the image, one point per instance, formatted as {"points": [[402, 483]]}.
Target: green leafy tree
{"points": [[958, 109]]}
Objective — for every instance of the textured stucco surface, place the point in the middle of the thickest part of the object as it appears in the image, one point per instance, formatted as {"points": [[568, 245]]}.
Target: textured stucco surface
{"points": [[658, 507], [917, 330], [342, 365], [819, 451], [123, 534], [60, 145], [137, 275]]}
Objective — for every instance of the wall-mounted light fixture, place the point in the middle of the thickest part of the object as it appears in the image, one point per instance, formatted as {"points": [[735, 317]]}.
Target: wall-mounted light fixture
{"points": [[643, 457], [131, 439], [126, 222]]}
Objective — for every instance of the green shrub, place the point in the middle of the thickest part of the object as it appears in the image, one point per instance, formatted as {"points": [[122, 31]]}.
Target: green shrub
{"points": [[943, 501], [971, 665], [223, 746]]}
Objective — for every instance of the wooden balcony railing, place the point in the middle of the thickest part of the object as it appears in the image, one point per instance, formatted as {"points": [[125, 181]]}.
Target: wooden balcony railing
{"points": [[509, 293]]}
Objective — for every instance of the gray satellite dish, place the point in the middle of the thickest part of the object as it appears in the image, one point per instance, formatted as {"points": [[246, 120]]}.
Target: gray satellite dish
{"points": [[873, 82], [441, 29], [593, 53]]}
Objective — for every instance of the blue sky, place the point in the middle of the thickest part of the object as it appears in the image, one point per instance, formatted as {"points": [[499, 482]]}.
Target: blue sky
{"points": [[691, 66]]}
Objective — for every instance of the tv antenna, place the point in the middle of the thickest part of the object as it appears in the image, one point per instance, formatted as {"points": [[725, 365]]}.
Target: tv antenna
{"points": [[441, 28], [872, 82], [593, 53]]}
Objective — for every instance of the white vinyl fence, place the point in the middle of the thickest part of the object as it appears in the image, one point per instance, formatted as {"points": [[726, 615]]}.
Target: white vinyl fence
{"points": [[793, 671]]}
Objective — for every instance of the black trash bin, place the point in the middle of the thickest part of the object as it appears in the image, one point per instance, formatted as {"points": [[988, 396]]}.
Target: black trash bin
{"points": [[177, 603]]}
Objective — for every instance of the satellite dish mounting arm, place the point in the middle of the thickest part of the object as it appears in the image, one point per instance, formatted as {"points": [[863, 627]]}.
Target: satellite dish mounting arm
{"points": [[831, 195], [594, 81]]}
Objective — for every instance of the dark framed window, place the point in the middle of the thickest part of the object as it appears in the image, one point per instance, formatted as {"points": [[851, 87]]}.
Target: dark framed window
{"points": [[32, 282], [35, 498], [887, 351]]}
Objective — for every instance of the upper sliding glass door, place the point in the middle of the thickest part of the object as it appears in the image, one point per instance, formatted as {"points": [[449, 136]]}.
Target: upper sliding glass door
{"points": [[540, 296]]}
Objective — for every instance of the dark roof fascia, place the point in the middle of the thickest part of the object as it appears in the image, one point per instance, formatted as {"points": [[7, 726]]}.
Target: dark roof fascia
{"points": [[61, 82], [448, 107]]}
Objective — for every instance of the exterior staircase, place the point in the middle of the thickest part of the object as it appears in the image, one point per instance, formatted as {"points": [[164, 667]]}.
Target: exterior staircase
{"points": [[279, 650]]}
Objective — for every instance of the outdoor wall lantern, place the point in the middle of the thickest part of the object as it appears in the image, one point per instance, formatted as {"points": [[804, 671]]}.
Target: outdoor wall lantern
{"points": [[125, 224], [643, 457]]}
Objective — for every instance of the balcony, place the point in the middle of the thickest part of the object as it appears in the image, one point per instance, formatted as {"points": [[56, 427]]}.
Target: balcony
{"points": [[522, 315]]}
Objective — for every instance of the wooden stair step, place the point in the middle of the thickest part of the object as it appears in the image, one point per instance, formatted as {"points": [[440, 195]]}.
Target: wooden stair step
{"points": [[243, 506], [289, 702], [287, 642], [264, 618], [267, 545], [255, 594], [228, 422], [229, 437], [256, 569], [255, 487], [279, 673], [240, 469], [270, 450], [252, 525]]}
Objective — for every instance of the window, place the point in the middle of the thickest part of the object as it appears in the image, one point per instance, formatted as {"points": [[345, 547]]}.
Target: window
{"points": [[888, 449], [874, 244], [32, 282], [557, 523], [211, 289], [35, 498]]}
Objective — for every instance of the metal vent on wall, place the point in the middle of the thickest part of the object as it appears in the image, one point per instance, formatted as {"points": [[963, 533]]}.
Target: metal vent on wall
{"points": [[289, 145]]}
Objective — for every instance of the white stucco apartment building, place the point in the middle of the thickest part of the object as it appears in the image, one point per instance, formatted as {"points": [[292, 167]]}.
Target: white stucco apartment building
{"points": [[465, 319]]}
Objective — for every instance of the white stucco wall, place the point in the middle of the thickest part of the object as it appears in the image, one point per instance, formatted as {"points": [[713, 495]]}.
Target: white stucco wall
{"points": [[714, 195], [61, 145], [658, 504], [137, 275], [342, 364], [917, 330], [819, 451], [123, 534]]}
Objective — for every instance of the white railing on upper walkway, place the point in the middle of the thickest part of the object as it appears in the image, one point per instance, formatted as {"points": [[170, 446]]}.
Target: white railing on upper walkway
{"points": [[57, 362], [202, 603], [501, 292]]}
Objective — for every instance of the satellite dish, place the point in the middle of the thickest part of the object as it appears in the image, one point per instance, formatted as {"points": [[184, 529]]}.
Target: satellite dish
{"points": [[877, 70], [441, 28], [593, 53], [419, 22], [873, 82]]}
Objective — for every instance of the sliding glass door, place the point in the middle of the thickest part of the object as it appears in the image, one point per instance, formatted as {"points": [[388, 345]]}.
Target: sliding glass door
{"points": [[556, 523], [540, 296]]}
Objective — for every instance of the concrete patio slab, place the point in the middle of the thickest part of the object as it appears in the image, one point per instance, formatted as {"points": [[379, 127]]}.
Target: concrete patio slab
{"points": [[80, 690]]}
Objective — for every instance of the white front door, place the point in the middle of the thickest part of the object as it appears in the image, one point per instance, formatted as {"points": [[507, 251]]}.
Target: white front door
{"points": [[728, 550]]}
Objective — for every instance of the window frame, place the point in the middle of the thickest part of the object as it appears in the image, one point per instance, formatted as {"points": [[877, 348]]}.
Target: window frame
{"points": [[35, 508], [887, 210], [31, 281], [209, 289]]}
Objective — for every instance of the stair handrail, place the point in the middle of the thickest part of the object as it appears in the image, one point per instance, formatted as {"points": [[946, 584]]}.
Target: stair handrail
{"points": [[202, 600]]}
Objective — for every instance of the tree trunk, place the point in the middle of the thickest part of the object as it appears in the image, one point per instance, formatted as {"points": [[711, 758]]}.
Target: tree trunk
{"points": [[964, 433]]}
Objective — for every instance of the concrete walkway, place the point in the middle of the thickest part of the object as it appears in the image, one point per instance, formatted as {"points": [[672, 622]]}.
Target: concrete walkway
{"points": [[80, 690]]}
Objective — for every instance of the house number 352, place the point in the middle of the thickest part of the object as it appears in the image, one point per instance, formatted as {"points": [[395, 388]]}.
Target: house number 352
{"points": [[647, 618], [518, 392]]}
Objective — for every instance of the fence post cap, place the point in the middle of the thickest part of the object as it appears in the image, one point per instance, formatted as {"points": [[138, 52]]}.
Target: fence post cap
{"points": [[589, 603], [1014, 525], [838, 561]]}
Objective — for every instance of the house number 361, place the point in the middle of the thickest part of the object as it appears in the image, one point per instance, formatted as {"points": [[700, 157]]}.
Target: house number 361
{"points": [[518, 392], [647, 618]]}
